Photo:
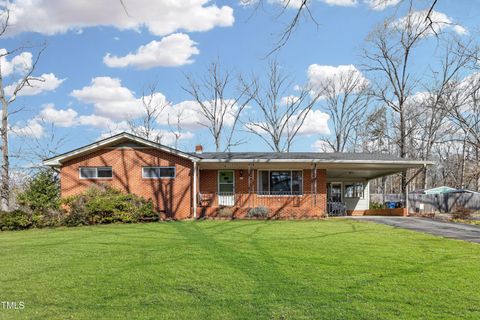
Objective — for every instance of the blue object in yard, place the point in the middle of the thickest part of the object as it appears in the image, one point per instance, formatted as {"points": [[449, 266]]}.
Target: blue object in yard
{"points": [[390, 204]]}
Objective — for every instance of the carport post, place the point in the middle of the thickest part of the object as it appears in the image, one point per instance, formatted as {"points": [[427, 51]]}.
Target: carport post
{"points": [[406, 200]]}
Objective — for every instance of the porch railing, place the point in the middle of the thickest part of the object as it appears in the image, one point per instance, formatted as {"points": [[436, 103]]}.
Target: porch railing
{"points": [[265, 199], [336, 208]]}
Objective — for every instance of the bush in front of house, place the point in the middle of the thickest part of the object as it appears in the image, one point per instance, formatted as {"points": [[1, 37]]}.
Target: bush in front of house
{"points": [[15, 220], [40, 200], [107, 205], [226, 213], [376, 205], [258, 212]]}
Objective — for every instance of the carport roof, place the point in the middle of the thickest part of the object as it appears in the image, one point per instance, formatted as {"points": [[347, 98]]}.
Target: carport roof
{"points": [[340, 166], [323, 156]]}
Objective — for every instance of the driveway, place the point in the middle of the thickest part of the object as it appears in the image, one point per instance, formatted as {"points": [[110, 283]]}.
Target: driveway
{"points": [[444, 229]]}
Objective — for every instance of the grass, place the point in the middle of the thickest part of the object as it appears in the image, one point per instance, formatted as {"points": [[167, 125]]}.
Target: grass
{"points": [[336, 269]]}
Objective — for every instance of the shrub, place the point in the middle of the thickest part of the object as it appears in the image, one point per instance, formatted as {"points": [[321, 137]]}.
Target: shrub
{"points": [[225, 213], [107, 205], [462, 213], [15, 220], [258, 212], [42, 195], [376, 205]]}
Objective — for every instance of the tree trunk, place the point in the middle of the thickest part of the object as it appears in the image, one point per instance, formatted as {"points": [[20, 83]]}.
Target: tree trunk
{"points": [[462, 175], [5, 176], [478, 169], [403, 153]]}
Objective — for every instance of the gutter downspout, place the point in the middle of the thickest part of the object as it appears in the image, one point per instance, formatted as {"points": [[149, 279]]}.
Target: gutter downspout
{"points": [[194, 190]]}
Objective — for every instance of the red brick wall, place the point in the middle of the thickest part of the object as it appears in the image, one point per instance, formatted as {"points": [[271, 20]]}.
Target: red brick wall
{"points": [[173, 197], [402, 212], [307, 205]]}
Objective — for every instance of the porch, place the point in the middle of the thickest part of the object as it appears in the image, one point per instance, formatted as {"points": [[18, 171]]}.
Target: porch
{"points": [[294, 192], [290, 190], [286, 205]]}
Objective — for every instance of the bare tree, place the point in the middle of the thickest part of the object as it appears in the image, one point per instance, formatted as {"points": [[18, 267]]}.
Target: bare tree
{"points": [[374, 134], [30, 150], [153, 106], [302, 11], [346, 100], [440, 97], [389, 60], [281, 115], [464, 114], [175, 126], [221, 103], [26, 79]]}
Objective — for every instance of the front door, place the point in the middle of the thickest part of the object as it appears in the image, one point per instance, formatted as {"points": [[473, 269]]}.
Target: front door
{"points": [[335, 206], [226, 188], [334, 192]]}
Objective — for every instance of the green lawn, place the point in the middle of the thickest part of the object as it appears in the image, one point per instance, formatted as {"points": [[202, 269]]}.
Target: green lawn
{"points": [[336, 269]]}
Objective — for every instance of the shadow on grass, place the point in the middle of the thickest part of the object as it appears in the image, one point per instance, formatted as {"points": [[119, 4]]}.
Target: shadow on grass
{"points": [[259, 265]]}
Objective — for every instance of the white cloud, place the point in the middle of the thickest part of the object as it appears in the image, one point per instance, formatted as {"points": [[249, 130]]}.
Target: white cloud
{"points": [[379, 5], [159, 17], [47, 82], [289, 100], [94, 121], [440, 22], [174, 50], [114, 105], [19, 64], [418, 98], [32, 129], [113, 101], [110, 99], [460, 30], [341, 3], [321, 75], [288, 3], [191, 116], [316, 122], [321, 146], [61, 118]]}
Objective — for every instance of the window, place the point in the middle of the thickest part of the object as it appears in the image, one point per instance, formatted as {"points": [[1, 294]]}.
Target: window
{"points": [[96, 173], [280, 182], [225, 181], [354, 190], [158, 172]]}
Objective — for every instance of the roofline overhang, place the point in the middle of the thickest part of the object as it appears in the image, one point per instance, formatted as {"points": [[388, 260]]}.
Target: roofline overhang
{"points": [[325, 161], [57, 160]]}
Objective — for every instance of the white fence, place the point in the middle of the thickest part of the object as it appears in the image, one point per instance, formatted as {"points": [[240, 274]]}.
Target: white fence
{"points": [[429, 203]]}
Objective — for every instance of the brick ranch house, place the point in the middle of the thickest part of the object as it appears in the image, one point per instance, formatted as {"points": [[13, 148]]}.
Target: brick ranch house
{"points": [[194, 185]]}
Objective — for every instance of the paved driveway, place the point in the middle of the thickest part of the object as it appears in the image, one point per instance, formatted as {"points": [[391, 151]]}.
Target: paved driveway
{"points": [[444, 229]]}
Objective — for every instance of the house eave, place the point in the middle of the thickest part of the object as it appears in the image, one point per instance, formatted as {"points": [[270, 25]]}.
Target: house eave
{"points": [[336, 169], [320, 161], [58, 160]]}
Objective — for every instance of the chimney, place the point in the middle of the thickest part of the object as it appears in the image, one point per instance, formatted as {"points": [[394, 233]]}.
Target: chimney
{"points": [[198, 149]]}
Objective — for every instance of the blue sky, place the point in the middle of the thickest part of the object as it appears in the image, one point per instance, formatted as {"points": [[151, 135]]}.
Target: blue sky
{"points": [[79, 38]]}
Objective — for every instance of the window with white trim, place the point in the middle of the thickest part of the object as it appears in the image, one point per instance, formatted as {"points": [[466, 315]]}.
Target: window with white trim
{"points": [[354, 190], [96, 173], [280, 182], [158, 172]]}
